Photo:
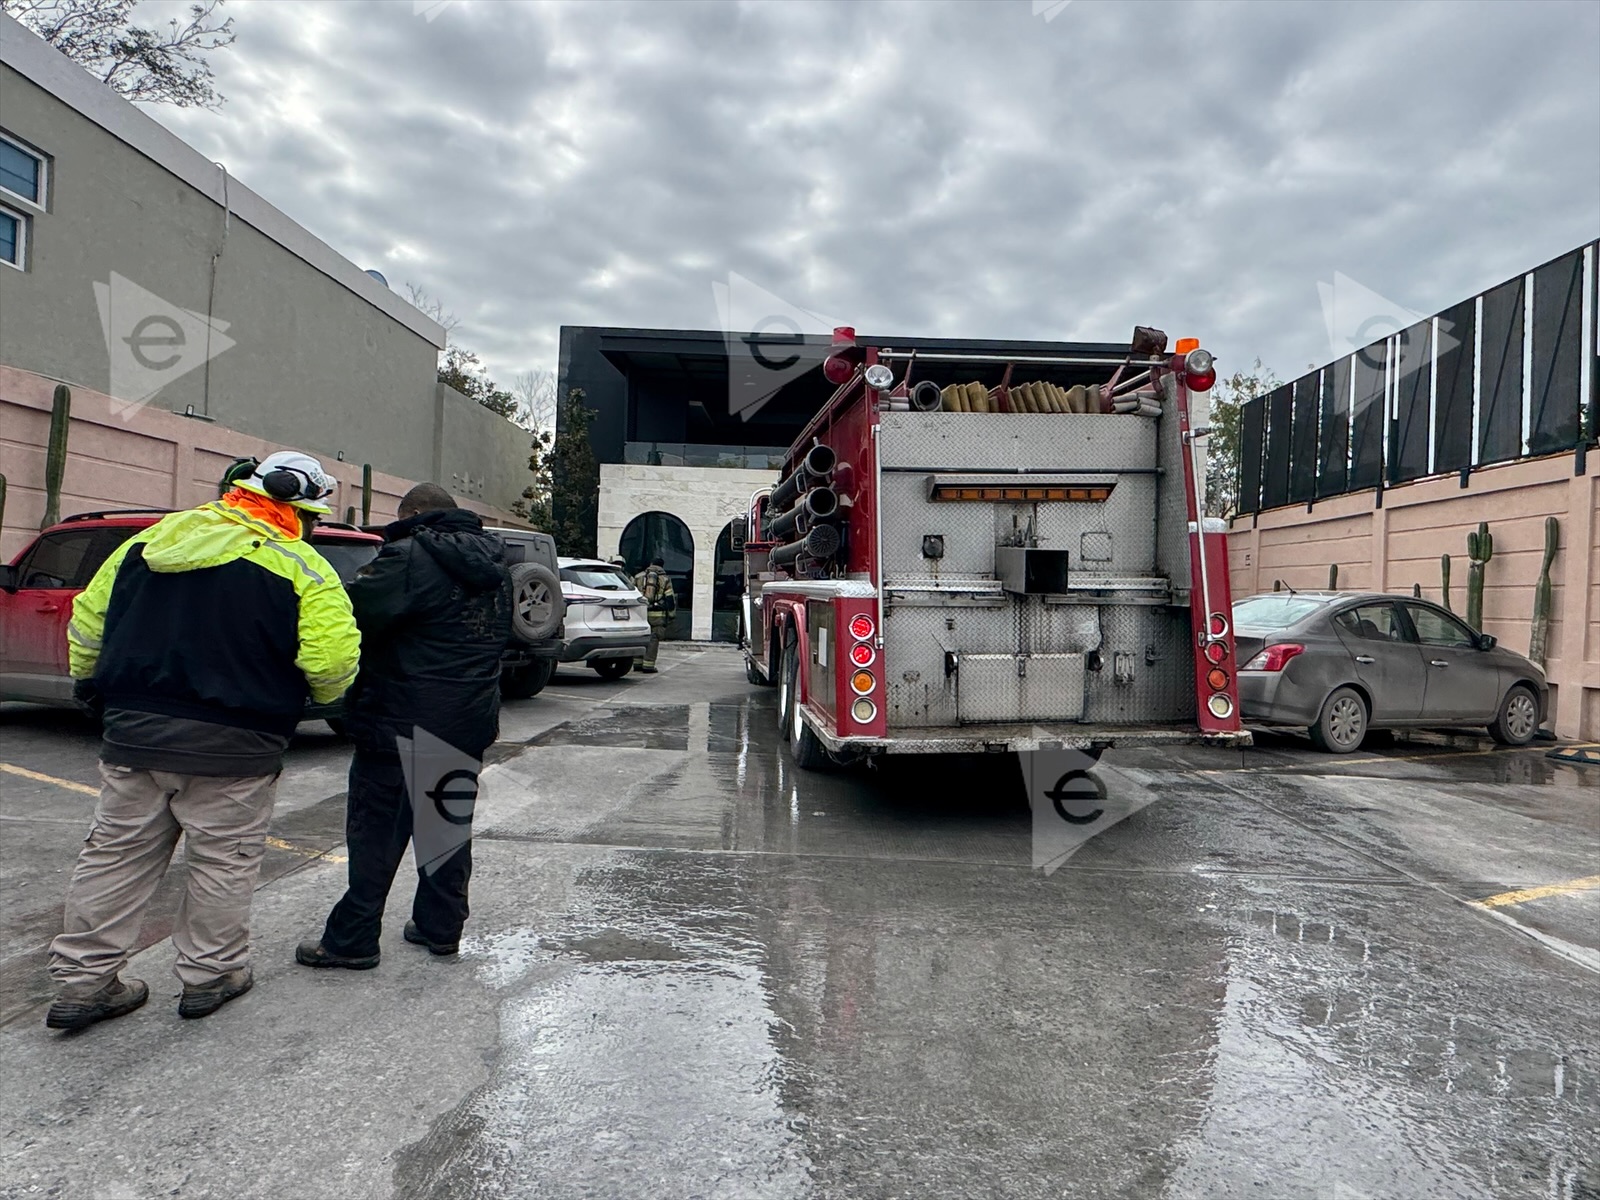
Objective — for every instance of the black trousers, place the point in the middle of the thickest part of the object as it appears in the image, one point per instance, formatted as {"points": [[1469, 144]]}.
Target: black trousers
{"points": [[377, 829]]}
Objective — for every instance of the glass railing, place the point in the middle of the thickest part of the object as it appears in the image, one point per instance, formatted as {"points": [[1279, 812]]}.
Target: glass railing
{"points": [[688, 454]]}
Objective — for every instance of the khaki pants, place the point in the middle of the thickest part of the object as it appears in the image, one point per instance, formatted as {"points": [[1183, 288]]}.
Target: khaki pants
{"points": [[136, 826], [658, 624]]}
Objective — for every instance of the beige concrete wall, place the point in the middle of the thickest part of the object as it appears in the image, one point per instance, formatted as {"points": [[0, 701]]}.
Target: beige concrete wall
{"points": [[144, 458], [1391, 548], [309, 354], [703, 498]]}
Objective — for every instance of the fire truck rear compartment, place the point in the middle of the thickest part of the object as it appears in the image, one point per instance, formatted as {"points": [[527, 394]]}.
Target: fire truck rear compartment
{"points": [[999, 611]]}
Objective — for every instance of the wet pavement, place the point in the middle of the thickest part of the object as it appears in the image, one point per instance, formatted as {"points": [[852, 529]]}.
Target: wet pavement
{"points": [[693, 971]]}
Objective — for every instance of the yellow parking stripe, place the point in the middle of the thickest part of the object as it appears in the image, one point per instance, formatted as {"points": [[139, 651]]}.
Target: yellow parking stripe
{"points": [[71, 785], [278, 843], [1585, 884]]}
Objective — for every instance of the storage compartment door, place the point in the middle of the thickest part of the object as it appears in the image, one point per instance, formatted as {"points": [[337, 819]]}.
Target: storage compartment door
{"points": [[1011, 687]]}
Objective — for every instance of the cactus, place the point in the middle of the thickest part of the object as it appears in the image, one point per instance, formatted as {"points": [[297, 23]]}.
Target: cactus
{"points": [[1480, 549], [1416, 591], [1539, 640], [1444, 576], [1333, 577], [366, 493], [55, 459], [350, 514], [2, 501]]}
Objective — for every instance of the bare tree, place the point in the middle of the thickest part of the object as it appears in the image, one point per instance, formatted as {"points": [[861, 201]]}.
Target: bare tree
{"points": [[146, 64], [431, 306], [536, 399]]}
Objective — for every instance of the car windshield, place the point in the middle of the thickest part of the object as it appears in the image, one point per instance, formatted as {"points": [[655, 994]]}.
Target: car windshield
{"points": [[601, 579], [1273, 612], [346, 557]]}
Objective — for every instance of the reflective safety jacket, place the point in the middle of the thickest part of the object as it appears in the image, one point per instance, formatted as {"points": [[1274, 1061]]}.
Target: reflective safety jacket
{"points": [[214, 616]]}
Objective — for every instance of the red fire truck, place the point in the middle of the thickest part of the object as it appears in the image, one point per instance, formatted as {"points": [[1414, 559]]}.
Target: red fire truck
{"points": [[994, 550]]}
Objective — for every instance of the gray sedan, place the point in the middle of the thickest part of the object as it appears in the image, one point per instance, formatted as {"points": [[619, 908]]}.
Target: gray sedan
{"points": [[1341, 663]]}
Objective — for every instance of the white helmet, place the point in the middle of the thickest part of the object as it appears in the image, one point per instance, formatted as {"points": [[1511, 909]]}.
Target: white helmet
{"points": [[290, 476]]}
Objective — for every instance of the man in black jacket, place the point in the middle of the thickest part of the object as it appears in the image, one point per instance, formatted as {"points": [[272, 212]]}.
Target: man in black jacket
{"points": [[434, 610]]}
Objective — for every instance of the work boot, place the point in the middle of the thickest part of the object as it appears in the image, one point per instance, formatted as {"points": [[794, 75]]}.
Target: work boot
{"points": [[647, 670], [438, 949], [312, 953], [201, 1000], [115, 999]]}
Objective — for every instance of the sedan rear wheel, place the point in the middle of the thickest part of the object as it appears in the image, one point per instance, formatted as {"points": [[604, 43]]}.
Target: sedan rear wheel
{"points": [[1518, 718], [1342, 723]]}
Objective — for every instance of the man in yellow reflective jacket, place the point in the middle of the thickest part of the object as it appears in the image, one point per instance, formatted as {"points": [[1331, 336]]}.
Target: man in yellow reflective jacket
{"points": [[199, 641]]}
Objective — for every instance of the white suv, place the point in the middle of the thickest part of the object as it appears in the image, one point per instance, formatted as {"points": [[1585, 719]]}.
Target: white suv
{"points": [[606, 624]]}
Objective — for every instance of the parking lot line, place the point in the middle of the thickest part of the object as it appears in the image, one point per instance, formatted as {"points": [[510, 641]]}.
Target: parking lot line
{"points": [[71, 785], [1587, 883]]}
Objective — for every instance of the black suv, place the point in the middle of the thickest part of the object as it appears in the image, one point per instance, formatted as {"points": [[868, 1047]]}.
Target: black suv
{"points": [[537, 612]]}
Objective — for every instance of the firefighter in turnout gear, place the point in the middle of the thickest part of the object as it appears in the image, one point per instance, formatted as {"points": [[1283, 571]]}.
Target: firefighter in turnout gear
{"points": [[655, 585]]}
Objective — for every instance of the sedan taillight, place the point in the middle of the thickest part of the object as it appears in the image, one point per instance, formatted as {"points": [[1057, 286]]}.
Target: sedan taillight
{"points": [[1275, 658]]}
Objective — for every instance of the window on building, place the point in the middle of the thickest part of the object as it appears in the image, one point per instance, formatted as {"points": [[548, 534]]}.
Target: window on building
{"points": [[13, 238], [21, 172]]}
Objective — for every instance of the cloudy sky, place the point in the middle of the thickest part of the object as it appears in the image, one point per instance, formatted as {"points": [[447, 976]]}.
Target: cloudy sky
{"points": [[1010, 168]]}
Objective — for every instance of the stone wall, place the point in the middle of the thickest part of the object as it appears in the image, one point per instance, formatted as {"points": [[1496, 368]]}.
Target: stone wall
{"points": [[703, 498]]}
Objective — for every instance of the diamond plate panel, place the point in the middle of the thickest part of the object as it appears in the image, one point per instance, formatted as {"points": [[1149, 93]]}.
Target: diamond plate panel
{"points": [[1103, 441], [1160, 690], [1123, 526], [1004, 687]]}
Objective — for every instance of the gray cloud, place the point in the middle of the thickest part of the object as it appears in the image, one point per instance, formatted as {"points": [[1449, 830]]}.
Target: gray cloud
{"points": [[954, 169]]}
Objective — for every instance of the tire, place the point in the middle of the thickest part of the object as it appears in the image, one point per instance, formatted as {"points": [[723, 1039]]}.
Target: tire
{"points": [[612, 668], [1342, 724], [809, 753], [752, 675], [1517, 722], [537, 609], [519, 683], [785, 694]]}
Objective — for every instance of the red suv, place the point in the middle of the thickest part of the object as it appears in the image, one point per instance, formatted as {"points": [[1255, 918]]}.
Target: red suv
{"points": [[37, 588]]}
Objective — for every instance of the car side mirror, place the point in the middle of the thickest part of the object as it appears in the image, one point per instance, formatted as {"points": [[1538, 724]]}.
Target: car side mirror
{"points": [[8, 578], [1487, 641]]}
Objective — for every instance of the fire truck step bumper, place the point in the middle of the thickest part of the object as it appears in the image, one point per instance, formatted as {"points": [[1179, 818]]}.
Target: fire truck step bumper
{"points": [[1013, 738]]}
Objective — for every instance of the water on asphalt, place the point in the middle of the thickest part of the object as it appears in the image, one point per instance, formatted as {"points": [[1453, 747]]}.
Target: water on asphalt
{"points": [[694, 971]]}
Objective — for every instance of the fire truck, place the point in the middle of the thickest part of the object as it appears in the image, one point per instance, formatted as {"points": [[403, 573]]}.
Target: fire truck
{"points": [[994, 550]]}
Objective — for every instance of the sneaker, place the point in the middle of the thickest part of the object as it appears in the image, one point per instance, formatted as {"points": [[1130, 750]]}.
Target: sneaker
{"points": [[204, 999], [312, 953], [439, 949], [115, 999]]}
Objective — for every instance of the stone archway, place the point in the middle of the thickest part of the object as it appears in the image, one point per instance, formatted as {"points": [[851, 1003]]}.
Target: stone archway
{"points": [[660, 533], [727, 584]]}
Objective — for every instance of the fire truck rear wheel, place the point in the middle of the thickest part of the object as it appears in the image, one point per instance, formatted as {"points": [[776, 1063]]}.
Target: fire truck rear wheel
{"points": [[809, 753]]}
